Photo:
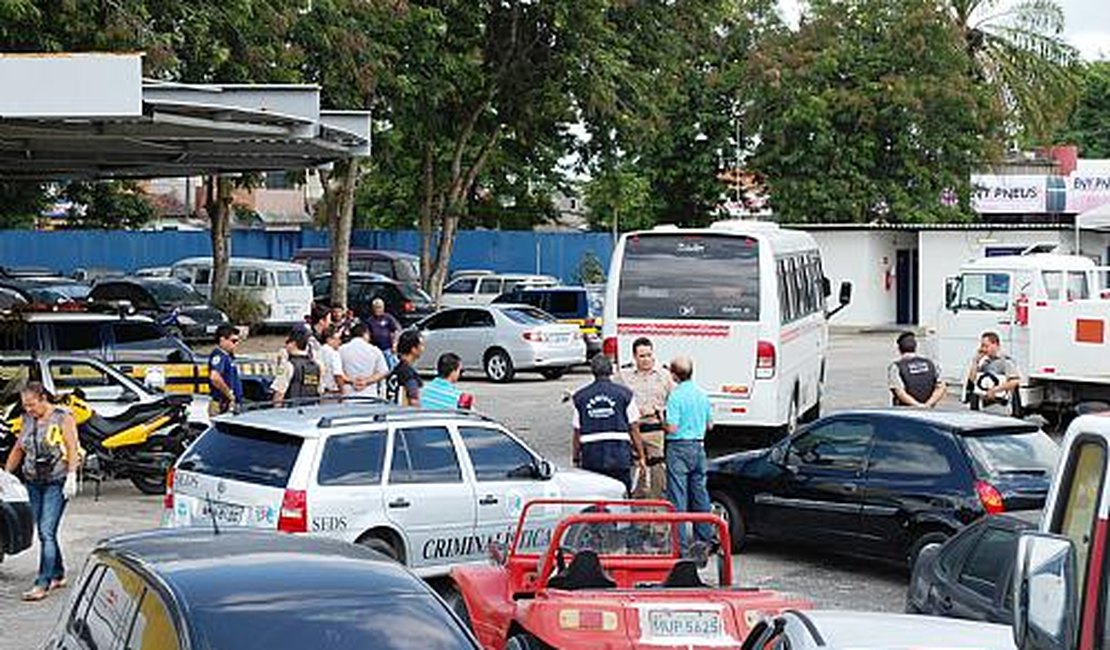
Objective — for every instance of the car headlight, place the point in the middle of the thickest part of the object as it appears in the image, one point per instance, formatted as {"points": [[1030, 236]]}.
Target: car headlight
{"points": [[186, 320]]}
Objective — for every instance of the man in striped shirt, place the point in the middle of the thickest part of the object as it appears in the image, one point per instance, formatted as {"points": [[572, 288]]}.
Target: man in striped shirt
{"points": [[441, 392]]}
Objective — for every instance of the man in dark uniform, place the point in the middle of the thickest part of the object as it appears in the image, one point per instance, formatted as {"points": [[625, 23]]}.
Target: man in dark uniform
{"points": [[606, 428], [298, 377], [913, 379]]}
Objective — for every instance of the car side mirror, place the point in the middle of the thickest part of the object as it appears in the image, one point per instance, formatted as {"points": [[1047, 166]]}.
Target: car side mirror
{"points": [[496, 553], [1045, 601], [845, 297], [543, 470]]}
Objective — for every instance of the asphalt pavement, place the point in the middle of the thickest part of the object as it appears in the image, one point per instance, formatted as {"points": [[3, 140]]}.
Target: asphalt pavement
{"points": [[534, 408]]}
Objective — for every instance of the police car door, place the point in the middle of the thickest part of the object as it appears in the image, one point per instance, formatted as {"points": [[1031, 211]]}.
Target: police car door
{"points": [[428, 498], [347, 500], [505, 478]]}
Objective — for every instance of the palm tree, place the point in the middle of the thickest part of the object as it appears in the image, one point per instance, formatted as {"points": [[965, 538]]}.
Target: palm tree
{"points": [[1018, 49]]}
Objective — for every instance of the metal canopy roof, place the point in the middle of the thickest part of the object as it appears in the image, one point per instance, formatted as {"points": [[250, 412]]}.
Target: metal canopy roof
{"points": [[93, 116]]}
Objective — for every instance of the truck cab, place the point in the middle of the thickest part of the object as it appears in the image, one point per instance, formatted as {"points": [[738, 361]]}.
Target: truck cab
{"points": [[1051, 314], [1062, 573]]}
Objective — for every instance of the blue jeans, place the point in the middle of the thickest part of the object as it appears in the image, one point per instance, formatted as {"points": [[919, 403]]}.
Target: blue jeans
{"points": [[686, 483], [47, 505]]}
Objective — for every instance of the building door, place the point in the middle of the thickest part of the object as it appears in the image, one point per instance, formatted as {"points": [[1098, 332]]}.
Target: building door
{"points": [[906, 285]]}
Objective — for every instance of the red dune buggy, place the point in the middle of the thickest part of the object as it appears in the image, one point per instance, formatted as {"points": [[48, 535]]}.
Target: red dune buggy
{"points": [[610, 577]]}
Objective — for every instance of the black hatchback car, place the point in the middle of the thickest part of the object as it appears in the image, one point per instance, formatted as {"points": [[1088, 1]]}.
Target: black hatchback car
{"points": [[171, 303], [241, 590], [406, 301], [884, 484], [970, 575]]}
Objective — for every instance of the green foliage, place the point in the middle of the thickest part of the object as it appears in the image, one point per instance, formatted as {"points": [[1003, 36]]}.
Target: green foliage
{"points": [[241, 307], [1089, 125], [20, 203], [620, 193], [1019, 54], [868, 113], [589, 270], [108, 205]]}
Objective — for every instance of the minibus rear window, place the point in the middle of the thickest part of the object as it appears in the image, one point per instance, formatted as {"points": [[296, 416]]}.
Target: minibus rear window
{"points": [[693, 277]]}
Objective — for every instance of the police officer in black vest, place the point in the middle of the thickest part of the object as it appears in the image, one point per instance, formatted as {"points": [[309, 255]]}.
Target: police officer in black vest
{"points": [[913, 379], [298, 375], [606, 429]]}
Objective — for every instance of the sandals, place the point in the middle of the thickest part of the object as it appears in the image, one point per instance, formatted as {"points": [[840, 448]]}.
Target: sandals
{"points": [[35, 594], [57, 583]]}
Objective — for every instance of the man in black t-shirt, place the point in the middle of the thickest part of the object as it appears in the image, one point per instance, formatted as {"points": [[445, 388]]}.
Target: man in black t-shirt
{"points": [[403, 383]]}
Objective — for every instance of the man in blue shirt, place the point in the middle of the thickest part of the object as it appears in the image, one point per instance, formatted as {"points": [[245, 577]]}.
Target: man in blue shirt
{"points": [[689, 417], [441, 392], [225, 390]]}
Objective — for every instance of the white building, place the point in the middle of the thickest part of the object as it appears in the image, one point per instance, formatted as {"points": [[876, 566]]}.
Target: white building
{"points": [[898, 270]]}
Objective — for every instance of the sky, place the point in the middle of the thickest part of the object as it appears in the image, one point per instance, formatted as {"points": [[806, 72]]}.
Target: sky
{"points": [[1086, 26]]}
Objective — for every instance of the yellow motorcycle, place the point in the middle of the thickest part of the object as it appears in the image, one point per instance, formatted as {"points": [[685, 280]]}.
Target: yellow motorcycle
{"points": [[139, 444]]}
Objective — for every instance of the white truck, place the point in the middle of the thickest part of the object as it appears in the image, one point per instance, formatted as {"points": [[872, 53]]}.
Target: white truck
{"points": [[1052, 314]]}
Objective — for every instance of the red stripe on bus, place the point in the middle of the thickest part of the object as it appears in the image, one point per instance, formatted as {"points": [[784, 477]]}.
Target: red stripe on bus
{"points": [[1093, 588]]}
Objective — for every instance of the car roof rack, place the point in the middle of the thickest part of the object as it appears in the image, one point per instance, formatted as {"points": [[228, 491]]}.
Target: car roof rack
{"points": [[395, 415]]}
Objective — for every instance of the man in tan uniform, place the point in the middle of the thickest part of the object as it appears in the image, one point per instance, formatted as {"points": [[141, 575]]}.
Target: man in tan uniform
{"points": [[651, 386]]}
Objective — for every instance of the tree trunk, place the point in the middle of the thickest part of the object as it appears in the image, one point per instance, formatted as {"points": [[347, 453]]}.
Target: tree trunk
{"points": [[428, 183], [218, 206], [339, 227], [443, 254]]}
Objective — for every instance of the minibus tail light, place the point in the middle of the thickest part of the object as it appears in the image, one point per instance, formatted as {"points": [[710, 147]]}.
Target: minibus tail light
{"points": [[609, 348], [765, 360]]}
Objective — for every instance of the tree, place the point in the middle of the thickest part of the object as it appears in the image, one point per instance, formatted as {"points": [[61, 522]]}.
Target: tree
{"points": [[20, 203], [619, 197], [1089, 125], [107, 205], [868, 113], [1019, 52]]}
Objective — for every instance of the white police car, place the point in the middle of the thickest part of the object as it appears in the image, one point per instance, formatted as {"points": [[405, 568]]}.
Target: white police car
{"points": [[429, 488]]}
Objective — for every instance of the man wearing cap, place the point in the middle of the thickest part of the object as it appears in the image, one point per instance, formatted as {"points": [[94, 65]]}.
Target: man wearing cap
{"points": [[606, 431], [914, 380]]}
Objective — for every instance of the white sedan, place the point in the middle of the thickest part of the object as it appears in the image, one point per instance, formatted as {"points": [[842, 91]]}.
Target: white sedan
{"points": [[502, 339]]}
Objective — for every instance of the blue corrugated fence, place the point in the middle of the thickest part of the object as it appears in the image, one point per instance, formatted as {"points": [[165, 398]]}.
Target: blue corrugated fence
{"points": [[558, 254]]}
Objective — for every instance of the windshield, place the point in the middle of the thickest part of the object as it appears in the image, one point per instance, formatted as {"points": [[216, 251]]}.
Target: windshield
{"points": [[72, 291], [174, 294], [528, 316], [714, 277], [984, 292], [337, 621], [1022, 453]]}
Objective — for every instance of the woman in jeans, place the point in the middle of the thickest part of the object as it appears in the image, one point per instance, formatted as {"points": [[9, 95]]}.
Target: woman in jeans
{"points": [[47, 451]]}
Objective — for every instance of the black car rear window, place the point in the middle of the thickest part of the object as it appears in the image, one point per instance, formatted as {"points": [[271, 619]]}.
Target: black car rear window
{"points": [[1017, 451], [336, 621], [243, 454]]}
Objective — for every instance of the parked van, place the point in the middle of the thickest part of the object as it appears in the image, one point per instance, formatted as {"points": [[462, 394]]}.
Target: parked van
{"points": [[746, 300], [402, 267], [482, 289], [282, 286]]}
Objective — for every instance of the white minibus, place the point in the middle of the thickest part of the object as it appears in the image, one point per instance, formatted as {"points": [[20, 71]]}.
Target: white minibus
{"points": [[282, 286], [745, 300]]}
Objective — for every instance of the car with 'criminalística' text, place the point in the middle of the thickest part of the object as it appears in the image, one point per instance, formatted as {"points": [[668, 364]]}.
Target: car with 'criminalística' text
{"points": [[431, 489]]}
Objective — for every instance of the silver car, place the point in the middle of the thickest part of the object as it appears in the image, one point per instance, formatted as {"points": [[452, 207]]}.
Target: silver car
{"points": [[502, 339]]}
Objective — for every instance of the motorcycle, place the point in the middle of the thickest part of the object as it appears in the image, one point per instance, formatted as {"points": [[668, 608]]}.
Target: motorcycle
{"points": [[139, 444]]}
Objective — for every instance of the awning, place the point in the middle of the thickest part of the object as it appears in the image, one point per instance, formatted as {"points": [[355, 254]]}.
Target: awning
{"points": [[94, 116]]}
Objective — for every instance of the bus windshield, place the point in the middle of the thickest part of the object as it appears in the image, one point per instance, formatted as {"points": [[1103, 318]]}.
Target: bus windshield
{"points": [[696, 277]]}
